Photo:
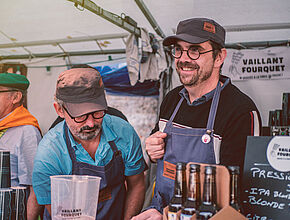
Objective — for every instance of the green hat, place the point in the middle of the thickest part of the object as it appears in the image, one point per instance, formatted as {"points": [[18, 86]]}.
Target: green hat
{"points": [[13, 80]]}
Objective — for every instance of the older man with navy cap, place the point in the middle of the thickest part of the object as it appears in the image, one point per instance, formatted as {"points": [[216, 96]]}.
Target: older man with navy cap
{"points": [[19, 134], [206, 119], [91, 142]]}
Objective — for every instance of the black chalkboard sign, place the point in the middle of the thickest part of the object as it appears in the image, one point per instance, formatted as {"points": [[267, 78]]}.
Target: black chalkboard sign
{"points": [[266, 178]]}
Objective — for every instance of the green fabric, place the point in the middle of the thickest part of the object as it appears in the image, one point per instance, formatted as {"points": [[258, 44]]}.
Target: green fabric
{"points": [[13, 80], [2, 132]]}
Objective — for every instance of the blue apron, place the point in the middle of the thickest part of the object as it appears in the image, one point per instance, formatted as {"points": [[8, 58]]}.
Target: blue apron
{"points": [[112, 188], [183, 145]]}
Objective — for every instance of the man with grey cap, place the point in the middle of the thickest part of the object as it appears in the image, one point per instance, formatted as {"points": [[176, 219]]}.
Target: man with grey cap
{"points": [[19, 134], [91, 142], [206, 119]]}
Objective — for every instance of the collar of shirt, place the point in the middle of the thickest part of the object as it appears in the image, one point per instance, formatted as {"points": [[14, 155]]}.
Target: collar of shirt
{"points": [[183, 93], [5, 116]]}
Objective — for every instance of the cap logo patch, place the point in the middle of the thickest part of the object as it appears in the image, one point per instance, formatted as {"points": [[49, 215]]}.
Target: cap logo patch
{"points": [[209, 27]]}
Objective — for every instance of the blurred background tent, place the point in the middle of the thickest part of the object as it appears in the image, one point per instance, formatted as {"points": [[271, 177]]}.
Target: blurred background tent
{"points": [[43, 38]]}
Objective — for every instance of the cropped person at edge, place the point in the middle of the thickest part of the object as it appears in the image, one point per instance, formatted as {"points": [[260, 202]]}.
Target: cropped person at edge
{"points": [[19, 134]]}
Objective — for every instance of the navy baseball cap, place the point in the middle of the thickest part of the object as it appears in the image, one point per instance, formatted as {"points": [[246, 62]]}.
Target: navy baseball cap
{"points": [[81, 90], [196, 31]]}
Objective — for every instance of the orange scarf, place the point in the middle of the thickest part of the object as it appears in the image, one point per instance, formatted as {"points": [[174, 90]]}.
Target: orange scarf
{"points": [[20, 116]]}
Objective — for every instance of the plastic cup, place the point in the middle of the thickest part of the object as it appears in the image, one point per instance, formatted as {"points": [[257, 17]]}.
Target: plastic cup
{"points": [[5, 203], [5, 176], [19, 205], [74, 197]]}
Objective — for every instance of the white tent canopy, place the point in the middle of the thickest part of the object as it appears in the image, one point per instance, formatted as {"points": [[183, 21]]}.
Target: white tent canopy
{"points": [[54, 28], [48, 22]]}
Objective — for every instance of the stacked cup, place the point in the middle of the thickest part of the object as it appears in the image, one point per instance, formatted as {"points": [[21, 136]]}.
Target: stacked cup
{"points": [[5, 176], [5, 183], [12, 199]]}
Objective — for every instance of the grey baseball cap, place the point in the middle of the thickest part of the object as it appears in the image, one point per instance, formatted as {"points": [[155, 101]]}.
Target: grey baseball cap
{"points": [[81, 90], [196, 31]]}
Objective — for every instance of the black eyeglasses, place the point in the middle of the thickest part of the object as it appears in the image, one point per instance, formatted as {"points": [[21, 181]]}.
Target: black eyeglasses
{"points": [[11, 90], [82, 118], [192, 52]]}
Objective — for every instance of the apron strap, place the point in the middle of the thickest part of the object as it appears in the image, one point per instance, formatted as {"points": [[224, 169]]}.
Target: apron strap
{"points": [[68, 144], [116, 151], [175, 110], [113, 146], [213, 108]]}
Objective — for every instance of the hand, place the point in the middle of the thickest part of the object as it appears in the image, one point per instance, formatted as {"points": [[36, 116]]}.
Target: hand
{"points": [[150, 214], [154, 145]]}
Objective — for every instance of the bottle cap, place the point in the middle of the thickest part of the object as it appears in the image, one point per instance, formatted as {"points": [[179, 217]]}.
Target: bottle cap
{"points": [[194, 167], [180, 166], [234, 169], [209, 170]]}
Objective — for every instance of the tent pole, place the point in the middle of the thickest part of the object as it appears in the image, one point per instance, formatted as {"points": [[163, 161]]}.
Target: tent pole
{"points": [[80, 53], [259, 44], [257, 27], [150, 17], [124, 23], [64, 41]]}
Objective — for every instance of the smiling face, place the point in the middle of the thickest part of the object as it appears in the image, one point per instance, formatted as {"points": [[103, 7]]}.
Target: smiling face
{"points": [[194, 72], [87, 130]]}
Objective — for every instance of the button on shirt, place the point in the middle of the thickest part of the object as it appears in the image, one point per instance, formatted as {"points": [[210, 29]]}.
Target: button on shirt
{"points": [[52, 156]]}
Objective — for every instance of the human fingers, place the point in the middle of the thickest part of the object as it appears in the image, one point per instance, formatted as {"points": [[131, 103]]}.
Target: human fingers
{"points": [[155, 151], [155, 148], [150, 214], [156, 139], [159, 134]]}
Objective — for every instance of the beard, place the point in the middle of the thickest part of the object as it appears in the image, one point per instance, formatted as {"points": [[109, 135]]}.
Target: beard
{"points": [[87, 132], [193, 79]]}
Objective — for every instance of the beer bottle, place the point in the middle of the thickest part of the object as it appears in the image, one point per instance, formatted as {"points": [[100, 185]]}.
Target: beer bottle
{"points": [[178, 198], [192, 203], [234, 188], [208, 206]]}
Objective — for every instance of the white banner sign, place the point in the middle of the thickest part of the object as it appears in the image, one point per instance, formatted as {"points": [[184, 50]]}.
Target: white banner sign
{"points": [[270, 63]]}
